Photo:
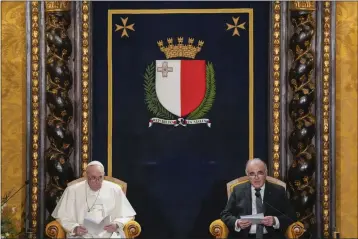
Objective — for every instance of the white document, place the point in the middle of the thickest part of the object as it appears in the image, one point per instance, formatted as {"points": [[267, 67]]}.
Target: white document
{"points": [[254, 219], [95, 226]]}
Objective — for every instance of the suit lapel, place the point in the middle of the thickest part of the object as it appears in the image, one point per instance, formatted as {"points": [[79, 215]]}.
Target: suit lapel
{"points": [[248, 198]]}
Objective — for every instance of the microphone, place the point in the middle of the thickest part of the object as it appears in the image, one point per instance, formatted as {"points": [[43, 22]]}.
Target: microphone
{"points": [[289, 218], [25, 184]]}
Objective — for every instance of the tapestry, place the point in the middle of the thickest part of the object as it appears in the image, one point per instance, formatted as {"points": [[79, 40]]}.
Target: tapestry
{"points": [[180, 99]]}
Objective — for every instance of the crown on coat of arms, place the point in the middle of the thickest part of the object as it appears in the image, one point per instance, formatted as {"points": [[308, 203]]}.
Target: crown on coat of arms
{"points": [[180, 49]]}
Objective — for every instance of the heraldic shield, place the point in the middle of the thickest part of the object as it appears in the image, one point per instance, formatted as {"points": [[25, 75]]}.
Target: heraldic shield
{"points": [[184, 88], [180, 85]]}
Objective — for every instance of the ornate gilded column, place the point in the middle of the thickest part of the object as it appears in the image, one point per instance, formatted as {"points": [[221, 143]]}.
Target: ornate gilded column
{"points": [[275, 91], [34, 67], [328, 118], [301, 79], [85, 79], [59, 82]]}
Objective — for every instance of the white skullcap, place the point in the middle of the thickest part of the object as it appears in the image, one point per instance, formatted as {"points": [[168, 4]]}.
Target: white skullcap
{"points": [[97, 163]]}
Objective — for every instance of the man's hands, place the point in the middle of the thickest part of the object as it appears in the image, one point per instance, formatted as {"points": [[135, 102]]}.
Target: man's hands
{"points": [[243, 223], [111, 227], [80, 231], [268, 221]]}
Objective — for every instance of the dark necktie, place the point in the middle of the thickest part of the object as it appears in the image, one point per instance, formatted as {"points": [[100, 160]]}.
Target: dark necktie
{"points": [[259, 209]]}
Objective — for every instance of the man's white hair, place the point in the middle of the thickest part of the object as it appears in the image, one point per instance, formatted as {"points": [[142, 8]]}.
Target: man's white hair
{"points": [[96, 163], [255, 160]]}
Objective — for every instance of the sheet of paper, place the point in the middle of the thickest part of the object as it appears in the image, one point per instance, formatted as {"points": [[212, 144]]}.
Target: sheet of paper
{"points": [[95, 226], [254, 219]]}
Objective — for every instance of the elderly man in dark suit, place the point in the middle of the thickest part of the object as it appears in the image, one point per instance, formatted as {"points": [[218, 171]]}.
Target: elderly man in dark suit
{"points": [[258, 196]]}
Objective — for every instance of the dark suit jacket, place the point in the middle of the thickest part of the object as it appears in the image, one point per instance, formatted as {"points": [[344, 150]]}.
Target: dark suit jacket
{"points": [[240, 203]]}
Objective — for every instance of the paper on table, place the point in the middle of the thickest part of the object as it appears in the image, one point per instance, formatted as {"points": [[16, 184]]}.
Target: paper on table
{"points": [[95, 226], [254, 219]]}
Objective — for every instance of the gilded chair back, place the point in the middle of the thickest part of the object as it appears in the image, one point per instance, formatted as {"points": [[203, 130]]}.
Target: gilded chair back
{"points": [[230, 185], [121, 183]]}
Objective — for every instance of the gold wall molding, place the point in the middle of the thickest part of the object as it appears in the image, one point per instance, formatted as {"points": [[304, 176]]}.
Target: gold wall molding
{"points": [[347, 118]]}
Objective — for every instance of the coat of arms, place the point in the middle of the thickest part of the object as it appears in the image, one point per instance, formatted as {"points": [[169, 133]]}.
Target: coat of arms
{"points": [[180, 91]]}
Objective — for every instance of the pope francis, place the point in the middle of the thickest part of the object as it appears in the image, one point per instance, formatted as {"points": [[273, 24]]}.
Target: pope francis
{"points": [[94, 208]]}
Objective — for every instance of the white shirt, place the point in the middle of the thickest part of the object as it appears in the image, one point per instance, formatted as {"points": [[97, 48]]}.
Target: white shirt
{"points": [[254, 211], [108, 201]]}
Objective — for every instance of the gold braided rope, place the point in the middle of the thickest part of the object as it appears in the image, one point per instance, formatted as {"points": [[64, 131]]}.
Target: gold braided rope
{"points": [[276, 89], [35, 113], [85, 85]]}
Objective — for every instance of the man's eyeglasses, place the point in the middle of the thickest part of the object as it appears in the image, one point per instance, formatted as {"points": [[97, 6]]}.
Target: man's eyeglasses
{"points": [[95, 179], [259, 174]]}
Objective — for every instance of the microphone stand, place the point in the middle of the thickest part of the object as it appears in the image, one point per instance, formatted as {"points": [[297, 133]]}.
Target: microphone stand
{"points": [[8, 199], [293, 221]]}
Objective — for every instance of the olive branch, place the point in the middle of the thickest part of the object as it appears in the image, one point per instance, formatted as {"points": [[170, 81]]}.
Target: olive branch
{"points": [[155, 107]]}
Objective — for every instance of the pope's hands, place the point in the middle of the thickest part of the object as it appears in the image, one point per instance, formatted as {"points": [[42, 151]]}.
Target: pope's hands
{"points": [[111, 227], [243, 224], [80, 231]]}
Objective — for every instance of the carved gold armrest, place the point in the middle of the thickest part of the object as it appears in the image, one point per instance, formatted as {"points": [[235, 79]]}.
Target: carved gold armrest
{"points": [[132, 229], [55, 230], [218, 229], [295, 230]]}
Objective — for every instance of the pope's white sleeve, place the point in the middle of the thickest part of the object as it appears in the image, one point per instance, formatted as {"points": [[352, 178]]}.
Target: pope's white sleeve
{"points": [[124, 211], [64, 212]]}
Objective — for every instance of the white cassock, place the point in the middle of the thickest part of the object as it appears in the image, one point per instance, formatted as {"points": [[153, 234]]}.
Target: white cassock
{"points": [[110, 201]]}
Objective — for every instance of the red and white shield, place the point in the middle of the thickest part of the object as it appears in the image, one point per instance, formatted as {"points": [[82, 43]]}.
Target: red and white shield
{"points": [[180, 85]]}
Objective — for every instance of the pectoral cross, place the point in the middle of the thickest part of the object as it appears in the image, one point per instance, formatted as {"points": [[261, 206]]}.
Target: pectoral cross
{"points": [[165, 69]]}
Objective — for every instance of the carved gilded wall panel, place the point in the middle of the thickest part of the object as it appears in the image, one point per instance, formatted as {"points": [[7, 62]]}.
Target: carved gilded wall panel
{"points": [[59, 81], [302, 109], [301, 80]]}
